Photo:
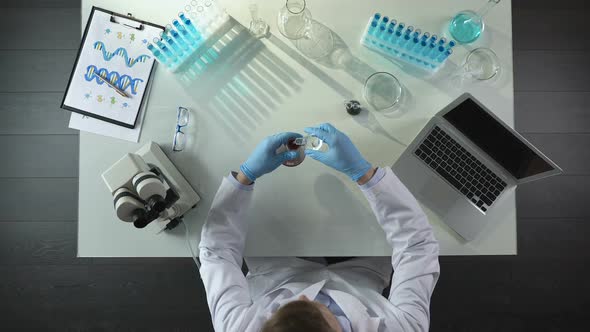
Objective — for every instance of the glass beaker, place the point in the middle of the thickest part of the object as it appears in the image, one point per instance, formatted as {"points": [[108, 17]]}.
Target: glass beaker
{"points": [[382, 91], [294, 20], [481, 64], [468, 25]]}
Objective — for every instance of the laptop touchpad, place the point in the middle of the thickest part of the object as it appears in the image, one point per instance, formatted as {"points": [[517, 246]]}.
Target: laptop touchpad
{"points": [[438, 195]]}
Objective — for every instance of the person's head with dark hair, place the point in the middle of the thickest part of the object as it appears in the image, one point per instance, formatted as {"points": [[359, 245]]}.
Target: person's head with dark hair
{"points": [[302, 315]]}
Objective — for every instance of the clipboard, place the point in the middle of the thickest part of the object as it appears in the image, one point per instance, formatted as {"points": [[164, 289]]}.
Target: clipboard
{"points": [[113, 48]]}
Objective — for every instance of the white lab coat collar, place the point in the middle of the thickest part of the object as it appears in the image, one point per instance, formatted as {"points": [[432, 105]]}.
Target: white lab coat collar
{"points": [[297, 288], [355, 310]]}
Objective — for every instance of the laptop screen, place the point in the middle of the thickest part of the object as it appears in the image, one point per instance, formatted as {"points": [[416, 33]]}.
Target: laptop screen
{"points": [[496, 140]]}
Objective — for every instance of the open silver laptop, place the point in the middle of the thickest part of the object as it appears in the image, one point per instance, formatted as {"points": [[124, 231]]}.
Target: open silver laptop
{"points": [[464, 161]]}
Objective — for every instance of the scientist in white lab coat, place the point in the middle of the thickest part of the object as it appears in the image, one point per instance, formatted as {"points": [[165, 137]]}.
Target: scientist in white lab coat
{"points": [[292, 294]]}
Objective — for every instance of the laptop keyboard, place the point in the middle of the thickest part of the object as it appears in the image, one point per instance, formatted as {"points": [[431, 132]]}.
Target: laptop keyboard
{"points": [[460, 168]]}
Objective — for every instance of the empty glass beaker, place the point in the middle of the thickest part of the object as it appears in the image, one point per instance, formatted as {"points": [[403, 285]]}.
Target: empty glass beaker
{"points": [[382, 91], [468, 25], [294, 20], [481, 64]]}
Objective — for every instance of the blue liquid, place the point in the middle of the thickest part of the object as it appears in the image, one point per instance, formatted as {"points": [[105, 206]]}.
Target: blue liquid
{"points": [[157, 53], [372, 28], [466, 27]]}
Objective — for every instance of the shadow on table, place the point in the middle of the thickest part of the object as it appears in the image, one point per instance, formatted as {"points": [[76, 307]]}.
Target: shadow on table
{"points": [[239, 81], [344, 207], [236, 79], [328, 49]]}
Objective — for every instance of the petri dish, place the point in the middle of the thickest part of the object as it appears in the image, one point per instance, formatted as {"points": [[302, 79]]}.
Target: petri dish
{"points": [[482, 64], [382, 91]]}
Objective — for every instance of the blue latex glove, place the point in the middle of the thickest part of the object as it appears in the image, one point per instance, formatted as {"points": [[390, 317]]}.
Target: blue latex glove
{"points": [[264, 159], [342, 156]]}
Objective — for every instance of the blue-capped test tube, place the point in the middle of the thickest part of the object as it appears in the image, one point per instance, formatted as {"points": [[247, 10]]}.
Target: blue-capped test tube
{"points": [[374, 24], [190, 26], [179, 40], [406, 37], [383, 27], [164, 48], [437, 49], [420, 46], [398, 33], [414, 40], [185, 35], [442, 41], [430, 44], [161, 57], [444, 55], [436, 52], [173, 45], [390, 30], [451, 44]]}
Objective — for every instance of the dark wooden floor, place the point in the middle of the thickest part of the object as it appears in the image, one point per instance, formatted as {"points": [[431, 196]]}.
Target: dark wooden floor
{"points": [[44, 286]]}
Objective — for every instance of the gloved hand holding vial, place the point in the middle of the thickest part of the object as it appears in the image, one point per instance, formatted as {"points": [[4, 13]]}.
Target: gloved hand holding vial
{"points": [[323, 143]]}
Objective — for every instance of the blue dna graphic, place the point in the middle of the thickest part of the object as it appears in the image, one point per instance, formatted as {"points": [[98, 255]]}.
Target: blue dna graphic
{"points": [[121, 81], [121, 51]]}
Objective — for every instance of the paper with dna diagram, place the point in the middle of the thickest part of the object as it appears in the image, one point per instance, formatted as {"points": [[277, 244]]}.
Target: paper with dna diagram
{"points": [[123, 82], [122, 52], [115, 52]]}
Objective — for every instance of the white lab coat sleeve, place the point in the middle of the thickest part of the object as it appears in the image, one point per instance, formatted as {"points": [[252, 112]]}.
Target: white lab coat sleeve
{"points": [[415, 250], [220, 251]]}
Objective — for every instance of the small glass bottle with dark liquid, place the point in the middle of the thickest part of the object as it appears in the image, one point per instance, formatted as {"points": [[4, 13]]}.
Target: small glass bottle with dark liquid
{"points": [[292, 146]]}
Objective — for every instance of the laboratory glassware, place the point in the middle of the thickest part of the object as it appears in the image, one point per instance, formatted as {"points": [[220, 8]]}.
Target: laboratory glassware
{"points": [[468, 25], [294, 20], [292, 146], [182, 119], [481, 64], [353, 107], [406, 44], [258, 27], [309, 142], [382, 91]]}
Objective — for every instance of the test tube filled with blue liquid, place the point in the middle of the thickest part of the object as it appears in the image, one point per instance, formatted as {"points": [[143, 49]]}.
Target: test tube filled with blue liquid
{"points": [[390, 30], [398, 33], [172, 43], [414, 40], [451, 44], [189, 25], [164, 48], [407, 35], [442, 41], [179, 40], [161, 57], [383, 26], [430, 45], [444, 55], [374, 24], [437, 51], [185, 35], [420, 46]]}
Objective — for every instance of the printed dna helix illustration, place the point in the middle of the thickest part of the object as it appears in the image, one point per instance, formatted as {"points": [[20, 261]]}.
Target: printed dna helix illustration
{"points": [[122, 52], [121, 81]]}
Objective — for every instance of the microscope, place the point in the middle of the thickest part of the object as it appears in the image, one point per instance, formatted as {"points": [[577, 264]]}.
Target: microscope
{"points": [[147, 187]]}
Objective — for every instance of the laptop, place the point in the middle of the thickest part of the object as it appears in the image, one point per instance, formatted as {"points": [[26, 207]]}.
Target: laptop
{"points": [[465, 161]]}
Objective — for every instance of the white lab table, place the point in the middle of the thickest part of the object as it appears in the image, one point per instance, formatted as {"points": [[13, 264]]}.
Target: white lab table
{"points": [[267, 87]]}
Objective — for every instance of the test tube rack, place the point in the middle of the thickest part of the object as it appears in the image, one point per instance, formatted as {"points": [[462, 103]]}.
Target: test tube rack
{"points": [[179, 44], [396, 41]]}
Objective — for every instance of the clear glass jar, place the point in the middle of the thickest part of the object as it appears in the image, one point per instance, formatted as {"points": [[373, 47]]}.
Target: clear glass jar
{"points": [[294, 20]]}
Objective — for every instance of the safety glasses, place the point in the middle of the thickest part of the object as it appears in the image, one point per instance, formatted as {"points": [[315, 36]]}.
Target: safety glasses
{"points": [[182, 119]]}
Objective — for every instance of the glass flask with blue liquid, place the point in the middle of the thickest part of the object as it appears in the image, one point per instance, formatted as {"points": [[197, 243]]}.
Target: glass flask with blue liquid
{"points": [[467, 25]]}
